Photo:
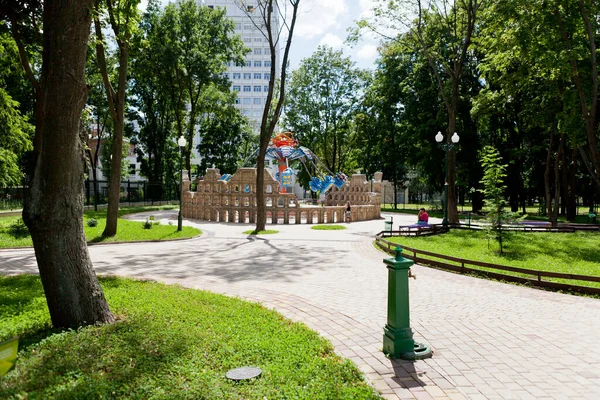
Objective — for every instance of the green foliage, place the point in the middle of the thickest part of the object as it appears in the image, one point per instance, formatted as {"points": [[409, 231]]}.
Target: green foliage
{"points": [[92, 222], [147, 224], [18, 229], [169, 342], [328, 227], [323, 96], [493, 192], [263, 232], [15, 137], [572, 253]]}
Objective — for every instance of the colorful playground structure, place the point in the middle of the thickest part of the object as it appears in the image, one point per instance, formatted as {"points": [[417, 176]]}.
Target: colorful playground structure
{"points": [[284, 148], [234, 200]]}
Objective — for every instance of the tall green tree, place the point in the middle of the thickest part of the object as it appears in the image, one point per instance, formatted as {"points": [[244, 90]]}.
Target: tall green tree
{"points": [[223, 130], [264, 13], [442, 31], [122, 17], [53, 209], [15, 130], [198, 43], [323, 96]]}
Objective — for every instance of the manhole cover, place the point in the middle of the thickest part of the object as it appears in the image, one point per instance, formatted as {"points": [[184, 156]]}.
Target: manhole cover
{"points": [[243, 373]]}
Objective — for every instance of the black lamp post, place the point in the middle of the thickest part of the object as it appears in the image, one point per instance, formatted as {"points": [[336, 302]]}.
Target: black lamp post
{"points": [[447, 147], [181, 142]]}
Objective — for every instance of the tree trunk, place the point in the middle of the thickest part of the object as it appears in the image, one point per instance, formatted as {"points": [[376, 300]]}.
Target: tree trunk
{"points": [[54, 208], [547, 188], [572, 195], [114, 184], [261, 217], [452, 208]]}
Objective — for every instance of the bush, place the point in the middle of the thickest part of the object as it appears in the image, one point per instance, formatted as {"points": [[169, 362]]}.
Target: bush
{"points": [[18, 228], [92, 222], [147, 224]]}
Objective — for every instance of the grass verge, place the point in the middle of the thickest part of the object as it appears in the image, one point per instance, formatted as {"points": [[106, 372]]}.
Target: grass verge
{"points": [[127, 231], [170, 342], [574, 253], [328, 227], [265, 232]]}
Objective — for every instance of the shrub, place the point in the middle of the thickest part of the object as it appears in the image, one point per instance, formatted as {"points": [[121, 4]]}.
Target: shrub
{"points": [[92, 222], [147, 224], [18, 228]]}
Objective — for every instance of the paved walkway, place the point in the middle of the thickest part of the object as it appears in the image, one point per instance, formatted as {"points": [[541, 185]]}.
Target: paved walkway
{"points": [[490, 340]]}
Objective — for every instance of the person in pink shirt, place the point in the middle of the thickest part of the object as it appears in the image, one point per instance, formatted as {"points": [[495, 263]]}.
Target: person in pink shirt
{"points": [[423, 217]]}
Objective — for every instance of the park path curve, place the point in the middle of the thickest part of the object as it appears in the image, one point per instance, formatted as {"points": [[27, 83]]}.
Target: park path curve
{"points": [[490, 340]]}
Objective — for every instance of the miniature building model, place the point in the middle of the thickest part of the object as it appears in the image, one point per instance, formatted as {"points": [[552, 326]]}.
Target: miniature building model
{"points": [[234, 200]]}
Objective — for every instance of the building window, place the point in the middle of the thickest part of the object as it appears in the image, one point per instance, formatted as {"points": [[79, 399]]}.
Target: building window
{"points": [[236, 88], [237, 101], [247, 88], [267, 63], [257, 52], [267, 52], [247, 40], [266, 75], [248, 63], [247, 75], [258, 63], [246, 100], [257, 100], [266, 88], [237, 26], [257, 39], [226, 75], [247, 27], [237, 75], [257, 75], [131, 169], [257, 88]]}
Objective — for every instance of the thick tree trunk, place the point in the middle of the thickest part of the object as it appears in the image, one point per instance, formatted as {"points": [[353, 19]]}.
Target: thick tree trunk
{"points": [[53, 212]]}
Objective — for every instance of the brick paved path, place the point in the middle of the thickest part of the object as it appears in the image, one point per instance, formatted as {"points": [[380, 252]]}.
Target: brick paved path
{"points": [[490, 340]]}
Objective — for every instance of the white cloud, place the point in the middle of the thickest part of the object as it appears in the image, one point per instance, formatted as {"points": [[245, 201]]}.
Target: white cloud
{"points": [[367, 52], [316, 17], [332, 40]]}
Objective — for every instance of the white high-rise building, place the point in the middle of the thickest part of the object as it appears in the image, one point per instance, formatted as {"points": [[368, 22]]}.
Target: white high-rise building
{"points": [[250, 80]]}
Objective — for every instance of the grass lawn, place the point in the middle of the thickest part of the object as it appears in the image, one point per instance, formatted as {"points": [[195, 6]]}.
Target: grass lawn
{"points": [[575, 253], [126, 230], [170, 342], [328, 227], [265, 232]]}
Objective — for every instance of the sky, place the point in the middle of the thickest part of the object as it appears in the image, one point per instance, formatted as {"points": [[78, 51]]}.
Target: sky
{"points": [[325, 22]]}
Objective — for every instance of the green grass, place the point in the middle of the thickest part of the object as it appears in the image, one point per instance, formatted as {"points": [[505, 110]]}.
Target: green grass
{"points": [[170, 342], [328, 227], [126, 230], [575, 253], [265, 232]]}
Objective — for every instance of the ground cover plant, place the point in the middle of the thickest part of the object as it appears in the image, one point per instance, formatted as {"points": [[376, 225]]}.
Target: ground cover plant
{"points": [[169, 342], [328, 227], [574, 253], [265, 232], [11, 234]]}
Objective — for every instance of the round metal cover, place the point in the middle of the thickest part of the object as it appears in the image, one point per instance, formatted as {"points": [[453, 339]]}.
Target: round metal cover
{"points": [[243, 373]]}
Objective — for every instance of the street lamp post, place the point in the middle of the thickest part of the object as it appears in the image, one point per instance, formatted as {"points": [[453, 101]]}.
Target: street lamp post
{"points": [[447, 147], [181, 142]]}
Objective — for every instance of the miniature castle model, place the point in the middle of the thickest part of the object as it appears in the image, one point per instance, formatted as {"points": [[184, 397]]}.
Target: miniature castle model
{"points": [[234, 200]]}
